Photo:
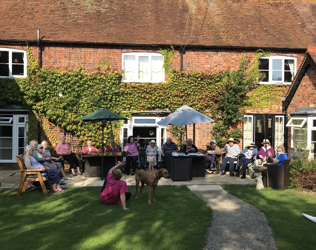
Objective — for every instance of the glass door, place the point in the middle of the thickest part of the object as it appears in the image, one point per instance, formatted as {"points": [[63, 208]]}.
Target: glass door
{"points": [[6, 137]]}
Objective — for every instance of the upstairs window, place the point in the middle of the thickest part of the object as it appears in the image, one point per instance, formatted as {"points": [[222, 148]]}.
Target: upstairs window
{"points": [[143, 67], [277, 69], [12, 63]]}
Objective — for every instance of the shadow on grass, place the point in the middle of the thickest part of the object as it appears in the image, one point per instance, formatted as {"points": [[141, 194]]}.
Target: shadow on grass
{"points": [[76, 219], [283, 210]]}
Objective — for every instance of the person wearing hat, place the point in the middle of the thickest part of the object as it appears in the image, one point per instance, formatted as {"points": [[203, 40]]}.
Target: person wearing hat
{"points": [[191, 147], [212, 151], [249, 152], [151, 152], [265, 152], [232, 151]]}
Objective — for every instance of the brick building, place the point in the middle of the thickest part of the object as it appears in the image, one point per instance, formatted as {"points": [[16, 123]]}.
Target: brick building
{"points": [[206, 35], [300, 105]]}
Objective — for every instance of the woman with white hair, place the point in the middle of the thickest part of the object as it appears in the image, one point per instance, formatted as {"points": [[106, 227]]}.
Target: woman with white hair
{"points": [[53, 176], [152, 152], [89, 148], [65, 151]]}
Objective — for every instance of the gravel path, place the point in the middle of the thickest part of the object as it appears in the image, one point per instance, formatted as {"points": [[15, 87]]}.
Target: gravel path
{"points": [[236, 224]]}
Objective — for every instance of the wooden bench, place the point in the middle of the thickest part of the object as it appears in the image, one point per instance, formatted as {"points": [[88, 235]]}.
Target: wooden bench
{"points": [[30, 175]]}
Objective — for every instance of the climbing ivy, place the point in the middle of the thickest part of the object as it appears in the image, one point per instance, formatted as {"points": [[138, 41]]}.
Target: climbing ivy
{"points": [[63, 96]]}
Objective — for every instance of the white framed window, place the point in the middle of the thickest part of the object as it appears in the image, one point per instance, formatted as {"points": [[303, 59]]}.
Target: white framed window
{"points": [[297, 122], [279, 130], [277, 69], [143, 67], [248, 130], [13, 63]]}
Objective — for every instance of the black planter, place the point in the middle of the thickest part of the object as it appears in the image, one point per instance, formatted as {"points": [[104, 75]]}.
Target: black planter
{"points": [[277, 177]]}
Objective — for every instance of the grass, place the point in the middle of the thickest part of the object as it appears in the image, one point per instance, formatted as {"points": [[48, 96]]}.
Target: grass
{"points": [[283, 210], [76, 219]]}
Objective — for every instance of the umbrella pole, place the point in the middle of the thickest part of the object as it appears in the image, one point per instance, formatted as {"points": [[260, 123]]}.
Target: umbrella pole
{"points": [[112, 141], [102, 152], [194, 133]]}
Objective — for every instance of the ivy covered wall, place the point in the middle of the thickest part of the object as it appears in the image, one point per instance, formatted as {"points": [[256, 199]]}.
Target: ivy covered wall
{"points": [[63, 96]]}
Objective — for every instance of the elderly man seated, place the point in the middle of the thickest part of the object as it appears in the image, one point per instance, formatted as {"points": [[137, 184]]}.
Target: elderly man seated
{"points": [[191, 147], [281, 156], [232, 151], [212, 152], [168, 147]]}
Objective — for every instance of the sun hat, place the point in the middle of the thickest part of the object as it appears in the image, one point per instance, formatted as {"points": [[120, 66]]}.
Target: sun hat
{"points": [[231, 139], [251, 144], [266, 141], [152, 141], [212, 141]]}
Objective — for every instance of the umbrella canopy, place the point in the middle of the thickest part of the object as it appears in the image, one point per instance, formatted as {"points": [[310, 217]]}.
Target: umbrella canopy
{"points": [[101, 114], [185, 115]]}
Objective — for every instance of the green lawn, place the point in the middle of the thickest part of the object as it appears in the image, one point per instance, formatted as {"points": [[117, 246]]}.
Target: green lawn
{"points": [[76, 220], [284, 211]]}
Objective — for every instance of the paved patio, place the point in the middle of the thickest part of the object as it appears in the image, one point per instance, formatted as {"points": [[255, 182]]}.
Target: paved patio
{"points": [[11, 179]]}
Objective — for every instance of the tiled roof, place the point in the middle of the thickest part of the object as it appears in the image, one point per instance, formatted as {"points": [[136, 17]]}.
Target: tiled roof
{"points": [[245, 23]]}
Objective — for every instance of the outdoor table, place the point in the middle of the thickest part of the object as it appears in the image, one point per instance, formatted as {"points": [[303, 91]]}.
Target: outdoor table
{"points": [[184, 167], [93, 163]]}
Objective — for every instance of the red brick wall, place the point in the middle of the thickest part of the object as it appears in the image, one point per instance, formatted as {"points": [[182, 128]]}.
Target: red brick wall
{"points": [[305, 95], [62, 58]]}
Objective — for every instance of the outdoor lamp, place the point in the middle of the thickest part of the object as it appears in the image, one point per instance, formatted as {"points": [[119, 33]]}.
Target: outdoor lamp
{"points": [[269, 123], [103, 123]]}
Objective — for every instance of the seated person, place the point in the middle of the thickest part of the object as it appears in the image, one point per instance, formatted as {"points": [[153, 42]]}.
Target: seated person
{"points": [[265, 152], [212, 151], [281, 156], [48, 154], [53, 176], [152, 152], [168, 147], [249, 152], [65, 151], [112, 148], [191, 147], [89, 148], [49, 163], [114, 191], [232, 151]]}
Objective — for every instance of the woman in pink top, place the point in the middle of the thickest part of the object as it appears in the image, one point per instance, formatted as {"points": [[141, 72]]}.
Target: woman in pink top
{"points": [[65, 151], [132, 154], [89, 148], [114, 191]]}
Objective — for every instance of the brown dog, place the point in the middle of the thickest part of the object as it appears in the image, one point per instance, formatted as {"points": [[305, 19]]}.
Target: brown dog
{"points": [[150, 178]]}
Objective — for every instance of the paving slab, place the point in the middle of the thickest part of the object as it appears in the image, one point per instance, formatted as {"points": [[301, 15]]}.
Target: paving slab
{"points": [[205, 187]]}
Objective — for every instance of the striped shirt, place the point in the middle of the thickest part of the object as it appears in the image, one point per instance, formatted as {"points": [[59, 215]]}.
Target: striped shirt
{"points": [[169, 148]]}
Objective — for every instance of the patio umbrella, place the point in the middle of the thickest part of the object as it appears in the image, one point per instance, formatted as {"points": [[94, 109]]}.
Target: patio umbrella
{"points": [[185, 115], [104, 115]]}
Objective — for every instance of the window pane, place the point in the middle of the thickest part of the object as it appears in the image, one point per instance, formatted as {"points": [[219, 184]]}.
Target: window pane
{"points": [[289, 65], [17, 69], [21, 142], [17, 57], [314, 123], [288, 76], [22, 119], [145, 121], [21, 151], [4, 56], [5, 154], [4, 69], [156, 68], [296, 121], [314, 135], [143, 67], [276, 75], [21, 132], [266, 78], [125, 132], [5, 131], [300, 137], [5, 142], [129, 62], [277, 64], [264, 64]]}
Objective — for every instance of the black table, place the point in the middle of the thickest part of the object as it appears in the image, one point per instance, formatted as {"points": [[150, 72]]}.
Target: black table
{"points": [[93, 163], [182, 168]]}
